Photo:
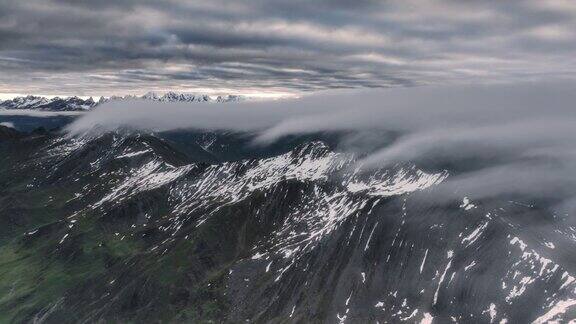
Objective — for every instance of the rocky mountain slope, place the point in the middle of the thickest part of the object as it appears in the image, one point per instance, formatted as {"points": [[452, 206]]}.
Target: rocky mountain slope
{"points": [[124, 227]]}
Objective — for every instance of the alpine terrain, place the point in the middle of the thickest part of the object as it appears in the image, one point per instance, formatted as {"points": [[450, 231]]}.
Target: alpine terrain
{"points": [[128, 226]]}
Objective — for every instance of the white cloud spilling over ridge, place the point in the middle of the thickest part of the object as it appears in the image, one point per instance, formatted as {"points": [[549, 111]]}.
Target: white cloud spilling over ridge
{"points": [[500, 139], [7, 124]]}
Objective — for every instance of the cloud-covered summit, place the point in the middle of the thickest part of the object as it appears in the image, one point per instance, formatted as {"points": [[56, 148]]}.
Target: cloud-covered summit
{"points": [[498, 140], [278, 46]]}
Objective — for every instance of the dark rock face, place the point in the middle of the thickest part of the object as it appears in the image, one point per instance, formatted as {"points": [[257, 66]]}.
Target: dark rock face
{"points": [[122, 227], [9, 133]]}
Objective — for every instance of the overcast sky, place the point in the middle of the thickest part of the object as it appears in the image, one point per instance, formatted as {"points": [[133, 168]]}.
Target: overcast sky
{"points": [[106, 47]]}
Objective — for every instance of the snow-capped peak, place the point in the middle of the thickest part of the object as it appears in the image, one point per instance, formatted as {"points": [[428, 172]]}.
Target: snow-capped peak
{"points": [[78, 104]]}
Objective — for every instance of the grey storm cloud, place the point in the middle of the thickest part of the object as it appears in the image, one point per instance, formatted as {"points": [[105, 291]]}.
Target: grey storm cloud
{"points": [[278, 46]]}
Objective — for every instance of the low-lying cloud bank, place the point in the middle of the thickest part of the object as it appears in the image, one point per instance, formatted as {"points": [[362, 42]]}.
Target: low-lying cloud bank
{"points": [[37, 113], [512, 140], [7, 124]]}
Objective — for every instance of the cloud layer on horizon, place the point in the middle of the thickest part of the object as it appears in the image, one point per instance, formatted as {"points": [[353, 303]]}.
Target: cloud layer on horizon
{"points": [[495, 140], [128, 46]]}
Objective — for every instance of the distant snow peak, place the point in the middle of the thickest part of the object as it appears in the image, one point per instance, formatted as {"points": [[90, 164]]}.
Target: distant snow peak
{"points": [[78, 104], [172, 96], [49, 104]]}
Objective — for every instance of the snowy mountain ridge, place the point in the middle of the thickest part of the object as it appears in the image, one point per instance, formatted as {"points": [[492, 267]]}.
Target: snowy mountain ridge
{"points": [[135, 220], [75, 103]]}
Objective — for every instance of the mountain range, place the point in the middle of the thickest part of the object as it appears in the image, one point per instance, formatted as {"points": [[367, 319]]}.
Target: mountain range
{"points": [[78, 104], [203, 227]]}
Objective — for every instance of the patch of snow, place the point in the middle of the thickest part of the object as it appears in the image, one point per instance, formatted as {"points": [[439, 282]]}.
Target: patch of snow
{"points": [[427, 319], [467, 204], [555, 312]]}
